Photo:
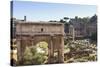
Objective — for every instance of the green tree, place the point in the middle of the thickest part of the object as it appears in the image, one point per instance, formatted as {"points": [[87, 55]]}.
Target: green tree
{"points": [[62, 21], [28, 56], [66, 24], [93, 18], [66, 18], [31, 56]]}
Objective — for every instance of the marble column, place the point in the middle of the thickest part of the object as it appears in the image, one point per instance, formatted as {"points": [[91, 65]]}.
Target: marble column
{"points": [[61, 51], [50, 51], [73, 34]]}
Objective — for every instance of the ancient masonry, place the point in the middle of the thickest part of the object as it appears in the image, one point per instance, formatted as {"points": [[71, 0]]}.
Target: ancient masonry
{"points": [[30, 33]]}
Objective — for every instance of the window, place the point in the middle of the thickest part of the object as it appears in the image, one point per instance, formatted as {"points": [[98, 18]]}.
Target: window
{"points": [[41, 29]]}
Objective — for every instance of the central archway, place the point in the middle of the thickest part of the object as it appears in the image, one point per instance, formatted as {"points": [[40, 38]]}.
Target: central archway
{"points": [[48, 40]]}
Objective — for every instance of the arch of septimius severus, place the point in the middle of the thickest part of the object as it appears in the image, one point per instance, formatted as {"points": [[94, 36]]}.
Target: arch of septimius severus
{"points": [[30, 33]]}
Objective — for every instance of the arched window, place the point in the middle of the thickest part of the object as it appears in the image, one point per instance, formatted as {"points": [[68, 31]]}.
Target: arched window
{"points": [[41, 29]]}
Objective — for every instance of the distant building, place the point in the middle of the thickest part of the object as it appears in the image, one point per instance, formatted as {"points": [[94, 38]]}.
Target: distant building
{"points": [[81, 29], [91, 28]]}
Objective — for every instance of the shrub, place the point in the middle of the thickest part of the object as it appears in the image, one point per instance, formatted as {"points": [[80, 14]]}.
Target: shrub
{"points": [[31, 56]]}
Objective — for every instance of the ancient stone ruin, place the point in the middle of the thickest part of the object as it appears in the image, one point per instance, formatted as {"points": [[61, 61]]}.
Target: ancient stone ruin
{"points": [[30, 33]]}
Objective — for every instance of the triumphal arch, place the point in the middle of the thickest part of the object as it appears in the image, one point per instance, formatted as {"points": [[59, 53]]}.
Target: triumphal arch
{"points": [[30, 33]]}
